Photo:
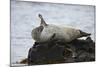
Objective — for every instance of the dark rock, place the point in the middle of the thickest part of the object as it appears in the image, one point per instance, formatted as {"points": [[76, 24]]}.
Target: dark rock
{"points": [[60, 52]]}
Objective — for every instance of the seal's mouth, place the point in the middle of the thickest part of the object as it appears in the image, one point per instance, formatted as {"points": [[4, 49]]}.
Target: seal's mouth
{"points": [[84, 33]]}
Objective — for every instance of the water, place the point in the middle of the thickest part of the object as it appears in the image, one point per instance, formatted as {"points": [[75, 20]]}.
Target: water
{"points": [[24, 17]]}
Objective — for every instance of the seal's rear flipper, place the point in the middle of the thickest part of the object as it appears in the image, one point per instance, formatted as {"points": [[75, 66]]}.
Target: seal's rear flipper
{"points": [[43, 23], [84, 33]]}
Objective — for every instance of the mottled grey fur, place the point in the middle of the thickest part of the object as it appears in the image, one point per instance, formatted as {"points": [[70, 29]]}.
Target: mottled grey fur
{"points": [[45, 32]]}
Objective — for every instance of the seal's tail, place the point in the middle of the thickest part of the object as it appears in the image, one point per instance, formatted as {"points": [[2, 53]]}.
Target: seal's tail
{"points": [[40, 16], [43, 23], [83, 34]]}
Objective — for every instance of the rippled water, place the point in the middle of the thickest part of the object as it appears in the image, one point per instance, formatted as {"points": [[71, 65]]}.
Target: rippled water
{"points": [[24, 17]]}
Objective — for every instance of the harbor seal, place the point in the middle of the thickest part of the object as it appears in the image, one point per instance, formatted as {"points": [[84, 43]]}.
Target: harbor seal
{"points": [[45, 32]]}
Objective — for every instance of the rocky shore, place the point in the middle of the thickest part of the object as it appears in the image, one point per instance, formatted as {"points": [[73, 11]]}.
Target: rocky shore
{"points": [[59, 52]]}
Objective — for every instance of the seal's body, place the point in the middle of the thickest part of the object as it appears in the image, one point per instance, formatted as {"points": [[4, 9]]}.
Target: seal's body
{"points": [[45, 32]]}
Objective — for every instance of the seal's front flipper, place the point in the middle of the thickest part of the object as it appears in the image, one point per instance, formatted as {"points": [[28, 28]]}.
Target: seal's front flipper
{"points": [[84, 33], [43, 23], [52, 37]]}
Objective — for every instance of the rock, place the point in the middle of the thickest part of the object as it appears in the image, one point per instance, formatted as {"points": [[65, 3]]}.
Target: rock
{"points": [[41, 53], [24, 61], [60, 52]]}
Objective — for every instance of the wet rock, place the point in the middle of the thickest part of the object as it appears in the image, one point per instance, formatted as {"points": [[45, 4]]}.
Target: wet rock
{"points": [[60, 52]]}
